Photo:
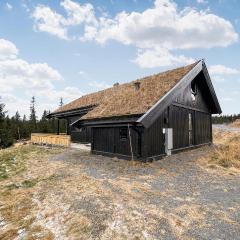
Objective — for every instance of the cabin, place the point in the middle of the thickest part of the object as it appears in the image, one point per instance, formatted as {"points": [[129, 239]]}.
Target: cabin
{"points": [[147, 118]]}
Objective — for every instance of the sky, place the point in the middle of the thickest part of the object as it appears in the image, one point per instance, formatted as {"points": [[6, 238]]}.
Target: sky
{"points": [[68, 48]]}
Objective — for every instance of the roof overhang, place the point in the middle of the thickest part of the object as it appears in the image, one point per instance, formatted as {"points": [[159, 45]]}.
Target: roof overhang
{"points": [[152, 114], [69, 113]]}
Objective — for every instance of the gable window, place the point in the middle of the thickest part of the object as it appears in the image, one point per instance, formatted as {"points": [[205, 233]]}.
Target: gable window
{"points": [[193, 90], [123, 133]]}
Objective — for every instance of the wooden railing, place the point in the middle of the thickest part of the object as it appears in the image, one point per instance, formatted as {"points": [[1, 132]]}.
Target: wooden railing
{"points": [[51, 139]]}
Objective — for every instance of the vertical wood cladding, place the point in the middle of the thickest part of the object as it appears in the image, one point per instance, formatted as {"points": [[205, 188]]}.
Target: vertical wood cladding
{"points": [[202, 128], [82, 135], [180, 124], [154, 137], [108, 139]]}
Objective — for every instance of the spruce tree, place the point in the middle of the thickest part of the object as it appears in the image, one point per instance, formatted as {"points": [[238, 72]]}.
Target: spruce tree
{"points": [[61, 102], [33, 117]]}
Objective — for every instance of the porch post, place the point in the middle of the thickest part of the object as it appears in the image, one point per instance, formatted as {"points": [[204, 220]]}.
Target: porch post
{"points": [[67, 127], [58, 127]]}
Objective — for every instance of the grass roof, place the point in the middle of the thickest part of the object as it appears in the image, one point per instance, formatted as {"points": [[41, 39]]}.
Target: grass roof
{"points": [[127, 99]]}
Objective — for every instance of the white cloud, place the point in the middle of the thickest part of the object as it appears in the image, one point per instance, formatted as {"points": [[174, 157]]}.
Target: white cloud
{"points": [[202, 1], [164, 26], [99, 85], [78, 14], [7, 50], [47, 20], [9, 6], [158, 57], [223, 70], [19, 77]]}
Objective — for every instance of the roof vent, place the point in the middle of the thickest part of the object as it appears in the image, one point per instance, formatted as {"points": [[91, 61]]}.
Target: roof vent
{"points": [[116, 84], [137, 85]]}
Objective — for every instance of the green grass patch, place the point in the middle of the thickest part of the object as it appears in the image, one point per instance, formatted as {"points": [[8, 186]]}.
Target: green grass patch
{"points": [[13, 159]]}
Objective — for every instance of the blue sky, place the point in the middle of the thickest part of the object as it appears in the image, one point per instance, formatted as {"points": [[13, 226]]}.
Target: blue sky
{"points": [[67, 48]]}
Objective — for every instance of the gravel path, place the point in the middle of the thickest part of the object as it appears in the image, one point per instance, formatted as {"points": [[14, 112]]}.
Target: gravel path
{"points": [[225, 127], [173, 198]]}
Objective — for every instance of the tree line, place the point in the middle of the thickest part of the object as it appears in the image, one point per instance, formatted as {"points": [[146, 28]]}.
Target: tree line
{"points": [[225, 118], [19, 127]]}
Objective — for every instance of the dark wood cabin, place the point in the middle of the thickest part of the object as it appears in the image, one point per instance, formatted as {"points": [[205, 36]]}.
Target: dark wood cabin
{"points": [[147, 118]]}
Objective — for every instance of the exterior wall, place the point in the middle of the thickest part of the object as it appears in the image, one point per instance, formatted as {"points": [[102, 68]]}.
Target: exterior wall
{"points": [[81, 135], [176, 116], [201, 127], [107, 140], [153, 139]]}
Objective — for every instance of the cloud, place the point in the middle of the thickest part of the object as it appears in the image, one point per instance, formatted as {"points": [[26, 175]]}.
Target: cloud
{"points": [[7, 50], [48, 20], [160, 57], [99, 85], [202, 1], [9, 6], [223, 70], [19, 77], [220, 73], [164, 26]]}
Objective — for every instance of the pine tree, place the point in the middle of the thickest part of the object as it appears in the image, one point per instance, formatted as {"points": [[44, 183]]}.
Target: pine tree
{"points": [[33, 117], [43, 124], [61, 102], [6, 136], [25, 131], [62, 124], [16, 126]]}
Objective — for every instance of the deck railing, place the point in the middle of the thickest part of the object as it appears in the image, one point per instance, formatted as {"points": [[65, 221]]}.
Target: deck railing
{"points": [[51, 139]]}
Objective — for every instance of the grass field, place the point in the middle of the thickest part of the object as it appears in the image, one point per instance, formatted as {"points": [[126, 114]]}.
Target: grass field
{"points": [[69, 194]]}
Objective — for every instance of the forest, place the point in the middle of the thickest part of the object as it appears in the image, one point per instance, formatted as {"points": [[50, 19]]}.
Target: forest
{"points": [[19, 127]]}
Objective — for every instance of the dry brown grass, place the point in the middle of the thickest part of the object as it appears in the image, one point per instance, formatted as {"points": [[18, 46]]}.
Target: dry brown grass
{"points": [[17, 187], [226, 153], [236, 123]]}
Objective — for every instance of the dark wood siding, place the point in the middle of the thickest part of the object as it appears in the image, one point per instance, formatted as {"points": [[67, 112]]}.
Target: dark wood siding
{"points": [[154, 137], [107, 139], [179, 121], [82, 135], [201, 101], [202, 128]]}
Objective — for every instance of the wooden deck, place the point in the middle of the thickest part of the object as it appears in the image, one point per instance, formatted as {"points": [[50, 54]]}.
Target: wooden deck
{"points": [[51, 139]]}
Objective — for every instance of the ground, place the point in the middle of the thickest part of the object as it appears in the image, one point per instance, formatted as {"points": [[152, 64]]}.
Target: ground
{"points": [[70, 194]]}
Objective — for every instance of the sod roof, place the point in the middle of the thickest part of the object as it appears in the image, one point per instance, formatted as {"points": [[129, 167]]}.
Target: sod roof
{"points": [[127, 99]]}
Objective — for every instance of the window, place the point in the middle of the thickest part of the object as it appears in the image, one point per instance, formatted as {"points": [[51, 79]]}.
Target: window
{"points": [[123, 133], [193, 90]]}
